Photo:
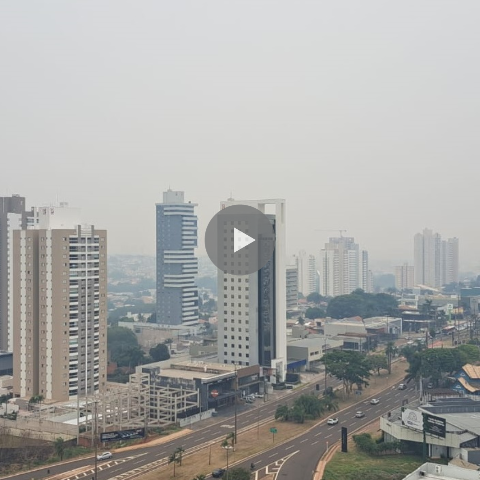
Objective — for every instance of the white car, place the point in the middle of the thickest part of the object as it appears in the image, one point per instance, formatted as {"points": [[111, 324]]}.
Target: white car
{"points": [[332, 421], [374, 401], [359, 414], [104, 456], [259, 395]]}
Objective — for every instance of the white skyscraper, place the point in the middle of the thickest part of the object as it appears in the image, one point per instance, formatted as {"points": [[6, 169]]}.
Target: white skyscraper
{"points": [[252, 316], [435, 261], [343, 268], [307, 273]]}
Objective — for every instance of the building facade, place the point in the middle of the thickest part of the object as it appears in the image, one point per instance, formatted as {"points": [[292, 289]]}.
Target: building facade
{"points": [[13, 215], [343, 268], [292, 287], [177, 265], [252, 322], [307, 273], [404, 277], [60, 306], [435, 260]]}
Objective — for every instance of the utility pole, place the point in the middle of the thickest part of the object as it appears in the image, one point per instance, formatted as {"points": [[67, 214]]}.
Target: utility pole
{"points": [[236, 388], [96, 440]]}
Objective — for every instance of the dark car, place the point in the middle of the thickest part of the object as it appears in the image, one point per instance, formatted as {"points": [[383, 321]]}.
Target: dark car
{"points": [[218, 473]]}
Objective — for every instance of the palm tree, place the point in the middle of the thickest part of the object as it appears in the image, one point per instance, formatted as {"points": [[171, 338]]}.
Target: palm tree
{"points": [[330, 403], [231, 437], [389, 352], [59, 446], [174, 458], [179, 452], [200, 476]]}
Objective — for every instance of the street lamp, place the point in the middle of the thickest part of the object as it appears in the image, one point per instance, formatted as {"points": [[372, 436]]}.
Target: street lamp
{"points": [[96, 439]]}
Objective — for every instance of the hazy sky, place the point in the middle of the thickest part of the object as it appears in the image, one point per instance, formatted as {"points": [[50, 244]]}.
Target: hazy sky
{"points": [[363, 115]]}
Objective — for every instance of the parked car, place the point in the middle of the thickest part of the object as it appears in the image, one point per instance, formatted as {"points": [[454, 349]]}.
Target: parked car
{"points": [[104, 456], [402, 386], [259, 395], [359, 414], [332, 421], [218, 473], [374, 401], [289, 386]]}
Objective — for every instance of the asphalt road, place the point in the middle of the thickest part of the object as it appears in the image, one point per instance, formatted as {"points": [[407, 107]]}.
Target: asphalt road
{"points": [[124, 462], [297, 459]]}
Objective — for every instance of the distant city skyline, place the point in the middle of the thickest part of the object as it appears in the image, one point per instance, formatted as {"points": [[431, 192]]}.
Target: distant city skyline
{"points": [[362, 115]]}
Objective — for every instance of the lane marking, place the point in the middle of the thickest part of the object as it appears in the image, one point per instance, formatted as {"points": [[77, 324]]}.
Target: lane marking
{"points": [[291, 446], [315, 442]]}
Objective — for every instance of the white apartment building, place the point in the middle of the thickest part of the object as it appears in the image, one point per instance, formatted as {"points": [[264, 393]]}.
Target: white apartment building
{"points": [[435, 260], [404, 277], [252, 322], [59, 278], [307, 273], [343, 268]]}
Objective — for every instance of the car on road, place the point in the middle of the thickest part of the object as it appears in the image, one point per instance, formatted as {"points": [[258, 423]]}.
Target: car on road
{"points": [[218, 473], [104, 456], [359, 414], [374, 401], [402, 386], [332, 421]]}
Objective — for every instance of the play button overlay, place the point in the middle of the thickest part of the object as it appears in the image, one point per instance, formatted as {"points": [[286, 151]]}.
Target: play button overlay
{"points": [[240, 239]]}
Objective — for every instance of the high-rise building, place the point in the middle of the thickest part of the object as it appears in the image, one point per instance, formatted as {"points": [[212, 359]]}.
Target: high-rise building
{"points": [[59, 277], [343, 268], [307, 273], [177, 265], [404, 277], [252, 316], [435, 261], [292, 287], [13, 215]]}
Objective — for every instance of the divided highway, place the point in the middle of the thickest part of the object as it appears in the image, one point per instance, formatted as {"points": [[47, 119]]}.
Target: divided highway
{"points": [[306, 449]]}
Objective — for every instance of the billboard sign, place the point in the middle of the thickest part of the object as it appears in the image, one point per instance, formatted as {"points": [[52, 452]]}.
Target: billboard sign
{"points": [[122, 435], [435, 425], [412, 418]]}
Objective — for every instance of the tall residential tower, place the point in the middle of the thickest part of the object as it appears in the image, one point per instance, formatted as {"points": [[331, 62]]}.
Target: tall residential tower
{"points": [[12, 216], [59, 277], [177, 265], [435, 260]]}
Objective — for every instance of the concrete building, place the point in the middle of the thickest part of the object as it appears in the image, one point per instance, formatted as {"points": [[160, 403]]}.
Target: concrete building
{"points": [[254, 333], [404, 277], [292, 287], [435, 471], [307, 273], [59, 278], [309, 351], [459, 417], [177, 265], [13, 215], [435, 261], [344, 268]]}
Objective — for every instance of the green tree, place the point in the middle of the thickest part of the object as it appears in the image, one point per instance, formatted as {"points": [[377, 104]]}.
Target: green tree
{"points": [[301, 320], [315, 298], [152, 318], [159, 352], [378, 362], [314, 312], [59, 446], [200, 476], [175, 459], [345, 306], [362, 304], [282, 413], [238, 473], [180, 451], [349, 367], [230, 438]]}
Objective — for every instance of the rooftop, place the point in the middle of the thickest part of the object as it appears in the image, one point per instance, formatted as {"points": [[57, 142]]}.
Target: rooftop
{"points": [[472, 371], [442, 472]]}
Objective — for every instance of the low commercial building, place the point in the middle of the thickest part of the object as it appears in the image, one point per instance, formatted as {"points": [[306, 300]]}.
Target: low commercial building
{"points": [[305, 353], [452, 426], [468, 380], [434, 471]]}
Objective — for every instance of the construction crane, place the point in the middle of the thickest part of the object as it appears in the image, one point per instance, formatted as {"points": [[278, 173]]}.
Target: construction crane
{"points": [[339, 230]]}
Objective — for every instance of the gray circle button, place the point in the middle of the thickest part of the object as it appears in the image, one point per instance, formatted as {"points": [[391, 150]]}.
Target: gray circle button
{"points": [[240, 240]]}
